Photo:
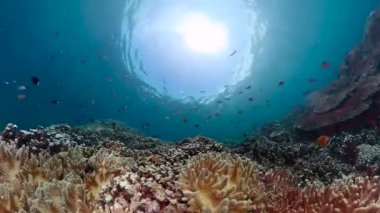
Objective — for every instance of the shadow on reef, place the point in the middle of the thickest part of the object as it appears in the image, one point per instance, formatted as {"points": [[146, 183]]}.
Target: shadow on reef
{"points": [[353, 101]]}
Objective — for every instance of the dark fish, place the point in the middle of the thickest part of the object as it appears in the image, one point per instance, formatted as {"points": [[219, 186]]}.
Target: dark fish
{"points": [[325, 64], [55, 101], [219, 101], [84, 61], [233, 53], [184, 120], [56, 34], [196, 125], [52, 58], [308, 92], [312, 80], [281, 83], [248, 87], [240, 112], [35, 80], [250, 99], [145, 125], [217, 114], [240, 92]]}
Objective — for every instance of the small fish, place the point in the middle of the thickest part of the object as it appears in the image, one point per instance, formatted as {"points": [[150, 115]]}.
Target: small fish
{"points": [[325, 64], [217, 114], [249, 87], [196, 125], [307, 92], [240, 111], [6, 82], [167, 117], [233, 53], [184, 120], [322, 141], [202, 91], [56, 34], [92, 101], [55, 101], [145, 125], [21, 97], [240, 92], [35, 80], [52, 58], [219, 102], [84, 61], [250, 99], [21, 88], [281, 83], [312, 80]]}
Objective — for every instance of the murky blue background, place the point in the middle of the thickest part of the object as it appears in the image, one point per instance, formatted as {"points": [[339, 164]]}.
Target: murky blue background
{"points": [[74, 47]]}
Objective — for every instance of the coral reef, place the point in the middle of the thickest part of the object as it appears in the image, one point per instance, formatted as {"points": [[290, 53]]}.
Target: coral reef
{"points": [[352, 101], [281, 173]]}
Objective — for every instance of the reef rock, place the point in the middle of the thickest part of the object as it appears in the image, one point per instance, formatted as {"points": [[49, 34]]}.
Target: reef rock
{"points": [[353, 100]]}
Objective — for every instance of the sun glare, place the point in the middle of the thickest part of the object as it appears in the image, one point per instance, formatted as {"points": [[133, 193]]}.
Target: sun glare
{"points": [[203, 35]]}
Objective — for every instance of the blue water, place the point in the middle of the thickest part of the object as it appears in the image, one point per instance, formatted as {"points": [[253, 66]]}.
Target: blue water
{"points": [[76, 50]]}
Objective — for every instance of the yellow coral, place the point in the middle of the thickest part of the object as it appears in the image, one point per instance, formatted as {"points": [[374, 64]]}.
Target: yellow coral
{"points": [[220, 182]]}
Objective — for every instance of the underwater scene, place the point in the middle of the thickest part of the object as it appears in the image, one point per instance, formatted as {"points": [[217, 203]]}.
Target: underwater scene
{"points": [[207, 106]]}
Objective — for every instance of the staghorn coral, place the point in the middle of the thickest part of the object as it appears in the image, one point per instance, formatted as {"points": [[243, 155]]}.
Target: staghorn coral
{"points": [[220, 182]]}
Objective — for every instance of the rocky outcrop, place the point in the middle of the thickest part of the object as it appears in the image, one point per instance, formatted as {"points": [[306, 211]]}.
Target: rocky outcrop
{"points": [[352, 101]]}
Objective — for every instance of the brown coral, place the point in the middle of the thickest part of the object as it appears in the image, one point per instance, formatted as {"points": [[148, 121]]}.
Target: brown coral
{"points": [[220, 182]]}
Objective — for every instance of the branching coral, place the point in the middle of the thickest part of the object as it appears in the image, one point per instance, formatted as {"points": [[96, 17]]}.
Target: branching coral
{"points": [[220, 182]]}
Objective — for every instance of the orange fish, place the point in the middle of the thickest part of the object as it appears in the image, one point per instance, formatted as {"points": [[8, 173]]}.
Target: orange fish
{"points": [[21, 97], [322, 141]]}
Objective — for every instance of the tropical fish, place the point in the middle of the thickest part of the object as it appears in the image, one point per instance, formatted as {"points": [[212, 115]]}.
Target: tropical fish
{"points": [[325, 64], [322, 141], [55, 101], [21, 88], [35, 80], [21, 97]]}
